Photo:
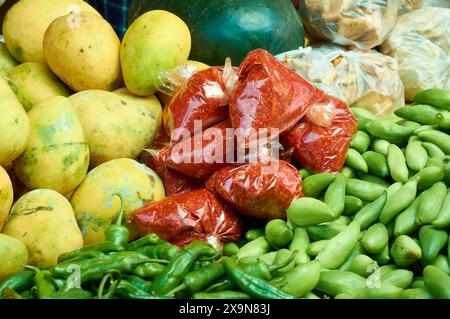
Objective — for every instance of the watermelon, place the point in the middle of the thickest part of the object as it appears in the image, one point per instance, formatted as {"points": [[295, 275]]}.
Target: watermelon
{"points": [[232, 28]]}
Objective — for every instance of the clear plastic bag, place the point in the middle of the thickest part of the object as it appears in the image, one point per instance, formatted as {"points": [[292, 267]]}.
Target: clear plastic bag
{"points": [[184, 217], [361, 23], [365, 79], [420, 42]]}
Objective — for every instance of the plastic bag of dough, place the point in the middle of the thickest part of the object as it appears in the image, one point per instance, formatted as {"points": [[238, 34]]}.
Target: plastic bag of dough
{"points": [[362, 23], [420, 42], [409, 5], [437, 3], [365, 79]]}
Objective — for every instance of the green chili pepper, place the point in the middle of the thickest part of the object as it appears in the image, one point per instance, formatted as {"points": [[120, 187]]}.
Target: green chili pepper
{"points": [[362, 265], [356, 251], [431, 203], [278, 234], [355, 160], [384, 291], [437, 282], [224, 284], [375, 238], [389, 130], [198, 280], [335, 282], [161, 251], [405, 222], [416, 155], [377, 163], [28, 294], [441, 139], [254, 248], [401, 278], [432, 149], [300, 280], [366, 191], [116, 233], [150, 239], [111, 278], [381, 146], [352, 205], [255, 287], [254, 233], [148, 270], [435, 96], [429, 176], [415, 293], [348, 172], [397, 164], [226, 294], [90, 251], [179, 267], [230, 249], [398, 201], [432, 240], [73, 293], [126, 290], [420, 113], [304, 173], [443, 219], [442, 263], [138, 282], [443, 120], [360, 141], [405, 251], [43, 283], [426, 127], [300, 243], [370, 212], [325, 231], [316, 247], [19, 282], [307, 211], [339, 247], [363, 116], [315, 184], [284, 262], [335, 194]]}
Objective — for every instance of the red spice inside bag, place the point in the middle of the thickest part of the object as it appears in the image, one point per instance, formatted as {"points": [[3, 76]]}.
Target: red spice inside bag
{"points": [[184, 217], [262, 190], [203, 97], [323, 148], [199, 156], [268, 95]]}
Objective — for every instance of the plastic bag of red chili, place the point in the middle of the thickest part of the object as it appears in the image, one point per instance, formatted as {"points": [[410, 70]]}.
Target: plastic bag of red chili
{"points": [[197, 96], [199, 156], [262, 190], [184, 217], [268, 95], [322, 148]]}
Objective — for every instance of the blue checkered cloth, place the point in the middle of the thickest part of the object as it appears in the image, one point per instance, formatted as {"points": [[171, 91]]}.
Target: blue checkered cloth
{"points": [[115, 11]]}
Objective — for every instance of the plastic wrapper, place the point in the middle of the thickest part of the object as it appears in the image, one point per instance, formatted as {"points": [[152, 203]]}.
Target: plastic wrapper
{"points": [[197, 96], [268, 95], [370, 80], [409, 5], [420, 42], [323, 148], [361, 23], [261, 190], [200, 155], [184, 217]]}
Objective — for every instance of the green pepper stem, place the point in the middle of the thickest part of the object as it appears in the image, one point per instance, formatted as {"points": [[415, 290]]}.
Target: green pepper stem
{"points": [[113, 284], [122, 207], [176, 289], [220, 284], [273, 268]]}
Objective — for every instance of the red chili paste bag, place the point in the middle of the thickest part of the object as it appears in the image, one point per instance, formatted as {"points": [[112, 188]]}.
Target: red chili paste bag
{"points": [[262, 190], [268, 95], [203, 96], [199, 156], [184, 217], [323, 148]]}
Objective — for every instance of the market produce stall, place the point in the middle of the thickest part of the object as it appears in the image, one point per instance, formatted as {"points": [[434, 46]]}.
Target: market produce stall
{"points": [[215, 151]]}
